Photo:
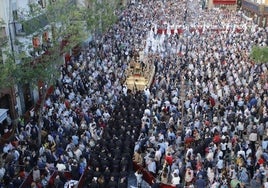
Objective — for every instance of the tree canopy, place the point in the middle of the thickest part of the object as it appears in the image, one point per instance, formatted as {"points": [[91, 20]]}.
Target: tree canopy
{"points": [[259, 54], [100, 14], [68, 23]]}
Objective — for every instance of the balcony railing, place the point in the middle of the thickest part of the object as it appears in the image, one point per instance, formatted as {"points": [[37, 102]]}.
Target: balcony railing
{"points": [[32, 25], [224, 2], [3, 40], [266, 9], [3, 36], [251, 6]]}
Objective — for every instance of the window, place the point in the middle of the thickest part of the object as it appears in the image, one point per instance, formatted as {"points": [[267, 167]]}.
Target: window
{"points": [[1, 57], [45, 41], [3, 32], [42, 3], [45, 37], [3, 35], [19, 29], [36, 42], [15, 15], [30, 26]]}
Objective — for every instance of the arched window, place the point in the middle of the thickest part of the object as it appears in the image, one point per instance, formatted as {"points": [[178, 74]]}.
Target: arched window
{"points": [[45, 37]]}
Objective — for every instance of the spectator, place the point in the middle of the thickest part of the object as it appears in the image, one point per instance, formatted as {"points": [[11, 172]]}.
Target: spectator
{"points": [[200, 182], [139, 178], [36, 174]]}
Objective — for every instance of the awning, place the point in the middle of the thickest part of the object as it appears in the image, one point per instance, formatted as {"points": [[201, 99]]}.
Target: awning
{"points": [[3, 114], [224, 2]]}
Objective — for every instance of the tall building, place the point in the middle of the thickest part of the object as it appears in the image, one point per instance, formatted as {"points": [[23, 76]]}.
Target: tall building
{"points": [[256, 10]]}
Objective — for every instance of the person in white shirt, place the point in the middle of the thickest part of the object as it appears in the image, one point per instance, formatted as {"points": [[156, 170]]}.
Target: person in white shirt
{"points": [[2, 172], [220, 165], [210, 175], [139, 175], [232, 173], [224, 147], [175, 179], [151, 165], [8, 147]]}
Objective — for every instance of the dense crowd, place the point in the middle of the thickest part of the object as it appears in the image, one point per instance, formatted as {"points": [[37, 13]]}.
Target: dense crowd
{"points": [[202, 122], [207, 122]]}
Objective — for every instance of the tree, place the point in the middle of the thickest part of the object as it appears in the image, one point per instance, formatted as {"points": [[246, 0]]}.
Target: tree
{"points": [[5, 69], [100, 14], [259, 54]]}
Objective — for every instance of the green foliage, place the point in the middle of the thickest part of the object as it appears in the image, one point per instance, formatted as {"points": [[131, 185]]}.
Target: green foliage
{"points": [[259, 54], [63, 19], [67, 22], [3, 38], [7, 74], [100, 14]]}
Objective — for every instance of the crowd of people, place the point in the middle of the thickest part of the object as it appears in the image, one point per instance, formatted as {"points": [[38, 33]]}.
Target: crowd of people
{"points": [[206, 123], [202, 122]]}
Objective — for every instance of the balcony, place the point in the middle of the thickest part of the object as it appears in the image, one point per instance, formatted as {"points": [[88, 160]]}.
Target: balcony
{"points": [[30, 26], [251, 6], [224, 2], [266, 10]]}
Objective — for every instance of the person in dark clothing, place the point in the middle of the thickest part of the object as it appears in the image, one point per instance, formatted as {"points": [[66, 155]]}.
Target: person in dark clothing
{"points": [[107, 174], [122, 183], [124, 172], [101, 182], [17, 181], [112, 183], [75, 170], [97, 172], [58, 183], [94, 183], [200, 182], [89, 174], [155, 184]]}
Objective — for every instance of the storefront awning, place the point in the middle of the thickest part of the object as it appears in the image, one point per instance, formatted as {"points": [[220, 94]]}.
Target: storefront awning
{"points": [[3, 114], [224, 2]]}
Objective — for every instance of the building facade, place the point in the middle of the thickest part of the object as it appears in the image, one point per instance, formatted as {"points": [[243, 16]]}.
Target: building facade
{"points": [[256, 10], [9, 99]]}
